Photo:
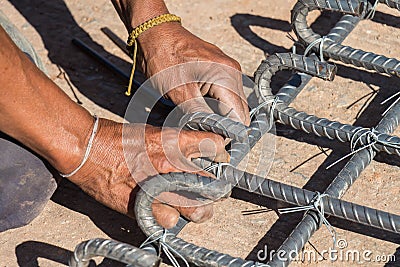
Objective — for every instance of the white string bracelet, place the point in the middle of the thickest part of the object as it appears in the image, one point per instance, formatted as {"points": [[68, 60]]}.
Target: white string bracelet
{"points": [[89, 147]]}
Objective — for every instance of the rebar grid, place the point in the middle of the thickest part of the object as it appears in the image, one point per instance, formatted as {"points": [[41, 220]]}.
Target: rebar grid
{"points": [[244, 138]]}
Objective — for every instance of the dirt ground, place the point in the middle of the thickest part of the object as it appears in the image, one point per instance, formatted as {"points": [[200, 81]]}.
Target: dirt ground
{"points": [[245, 30]]}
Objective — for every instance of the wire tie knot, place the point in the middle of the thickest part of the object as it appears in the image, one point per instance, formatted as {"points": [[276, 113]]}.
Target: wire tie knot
{"points": [[317, 205]]}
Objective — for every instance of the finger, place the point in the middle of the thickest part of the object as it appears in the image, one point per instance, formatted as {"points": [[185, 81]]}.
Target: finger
{"points": [[197, 214], [232, 102], [224, 83], [168, 207], [165, 215], [189, 98], [203, 144]]}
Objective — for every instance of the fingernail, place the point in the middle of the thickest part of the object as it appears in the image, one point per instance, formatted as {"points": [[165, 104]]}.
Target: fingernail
{"points": [[201, 214], [169, 222], [223, 157]]}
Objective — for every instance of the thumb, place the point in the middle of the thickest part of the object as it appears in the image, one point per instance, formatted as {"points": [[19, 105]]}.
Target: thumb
{"points": [[195, 144]]}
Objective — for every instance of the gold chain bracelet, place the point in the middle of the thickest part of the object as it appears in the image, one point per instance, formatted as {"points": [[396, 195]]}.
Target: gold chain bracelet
{"points": [[139, 30]]}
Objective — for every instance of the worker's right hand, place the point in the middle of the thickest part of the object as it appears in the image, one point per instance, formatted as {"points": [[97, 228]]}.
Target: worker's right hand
{"points": [[112, 178], [185, 68]]}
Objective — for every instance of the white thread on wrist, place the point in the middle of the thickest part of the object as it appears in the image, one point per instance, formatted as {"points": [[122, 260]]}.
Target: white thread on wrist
{"points": [[89, 147]]}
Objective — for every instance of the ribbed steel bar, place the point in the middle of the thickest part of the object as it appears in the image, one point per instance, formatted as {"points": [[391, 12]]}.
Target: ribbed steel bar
{"points": [[216, 124], [284, 61], [298, 81], [114, 250], [239, 149], [262, 186], [300, 197], [358, 162], [337, 131], [310, 123], [208, 188], [346, 177], [391, 3], [333, 49]]}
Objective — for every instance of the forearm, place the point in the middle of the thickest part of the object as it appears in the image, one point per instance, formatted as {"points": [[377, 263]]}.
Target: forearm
{"points": [[37, 113], [135, 12]]}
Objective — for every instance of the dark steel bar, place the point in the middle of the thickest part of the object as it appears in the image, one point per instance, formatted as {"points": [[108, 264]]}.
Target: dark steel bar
{"points": [[209, 188], [105, 62], [333, 49], [114, 250], [311, 222], [94, 54], [346, 177], [116, 40]]}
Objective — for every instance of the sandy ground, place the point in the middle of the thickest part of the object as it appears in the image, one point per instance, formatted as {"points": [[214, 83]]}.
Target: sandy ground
{"points": [[245, 30]]}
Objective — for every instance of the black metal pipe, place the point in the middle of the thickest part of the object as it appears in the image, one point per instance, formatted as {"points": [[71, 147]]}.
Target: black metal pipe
{"points": [[94, 54], [116, 40]]}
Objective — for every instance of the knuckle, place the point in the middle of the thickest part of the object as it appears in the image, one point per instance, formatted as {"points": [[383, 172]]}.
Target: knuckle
{"points": [[230, 62]]}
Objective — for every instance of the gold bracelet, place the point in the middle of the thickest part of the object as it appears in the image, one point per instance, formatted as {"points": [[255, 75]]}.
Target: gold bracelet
{"points": [[139, 30]]}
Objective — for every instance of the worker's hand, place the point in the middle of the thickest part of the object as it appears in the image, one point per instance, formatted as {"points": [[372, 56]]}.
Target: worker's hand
{"points": [[112, 179], [206, 70]]}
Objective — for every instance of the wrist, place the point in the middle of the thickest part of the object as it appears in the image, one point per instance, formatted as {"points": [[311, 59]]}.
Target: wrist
{"points": [[135, 12], [105, 142], [165, 36], [67, 150], [159, 34]]}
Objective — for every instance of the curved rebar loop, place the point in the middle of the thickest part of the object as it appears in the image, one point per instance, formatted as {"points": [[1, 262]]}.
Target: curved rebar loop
{"points": [[299, 80], [208, 187], [284, 61], [331, 48], [310, 123], [176, 182], [114, 250]]}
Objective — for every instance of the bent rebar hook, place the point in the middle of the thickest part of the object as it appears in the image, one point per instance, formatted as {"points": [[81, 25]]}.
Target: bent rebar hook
{"points": [[331, 47], [114, 250]]}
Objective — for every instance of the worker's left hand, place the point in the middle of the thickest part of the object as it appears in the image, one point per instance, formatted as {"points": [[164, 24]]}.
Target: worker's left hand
{"points": [[213, 72], [123, 155]]}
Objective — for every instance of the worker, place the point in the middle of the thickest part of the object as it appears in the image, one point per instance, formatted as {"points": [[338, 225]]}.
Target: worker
{"points": [[41, 125]]}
